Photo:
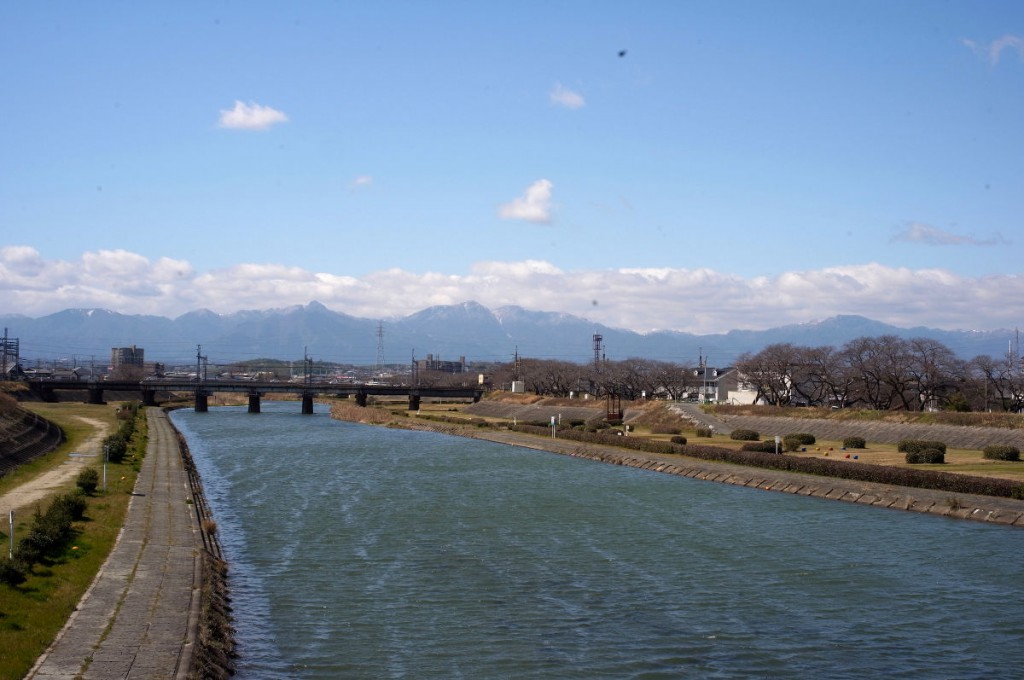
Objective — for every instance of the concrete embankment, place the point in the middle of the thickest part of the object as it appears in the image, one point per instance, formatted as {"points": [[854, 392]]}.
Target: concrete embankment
{"points": [[958, 506]]}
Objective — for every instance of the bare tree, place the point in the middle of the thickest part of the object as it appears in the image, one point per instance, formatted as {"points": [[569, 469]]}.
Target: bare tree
{"points": [[771, 372], [934, 371]]}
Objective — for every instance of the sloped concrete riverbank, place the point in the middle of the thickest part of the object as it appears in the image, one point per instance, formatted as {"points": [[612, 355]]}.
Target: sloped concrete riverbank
{"points": [[991, 509]]}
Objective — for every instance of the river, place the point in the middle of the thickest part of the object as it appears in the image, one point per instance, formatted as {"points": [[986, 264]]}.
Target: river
{"points": [[364, 552]]}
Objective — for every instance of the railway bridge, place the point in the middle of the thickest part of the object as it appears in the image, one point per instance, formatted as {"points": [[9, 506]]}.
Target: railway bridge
{"points": [[307, 390]]}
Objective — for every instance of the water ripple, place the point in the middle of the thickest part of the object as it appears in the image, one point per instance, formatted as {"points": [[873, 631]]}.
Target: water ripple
{"points": [[360, 552]]}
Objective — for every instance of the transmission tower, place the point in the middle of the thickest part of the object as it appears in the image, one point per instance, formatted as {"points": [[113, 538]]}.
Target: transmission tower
{"points": [[11, 353], [597, 351], [380, 349], [201, 362]]}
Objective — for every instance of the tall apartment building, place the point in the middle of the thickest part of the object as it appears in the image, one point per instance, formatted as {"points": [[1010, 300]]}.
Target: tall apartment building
{"points": [[432, 364], [126, 356]]}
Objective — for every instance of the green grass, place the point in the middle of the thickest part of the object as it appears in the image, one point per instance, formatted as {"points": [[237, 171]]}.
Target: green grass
{"points": [[32, 613]]}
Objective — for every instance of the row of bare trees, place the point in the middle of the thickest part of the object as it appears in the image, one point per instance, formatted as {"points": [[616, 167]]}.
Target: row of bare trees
{"points": [[630, 379], [884, 373]]}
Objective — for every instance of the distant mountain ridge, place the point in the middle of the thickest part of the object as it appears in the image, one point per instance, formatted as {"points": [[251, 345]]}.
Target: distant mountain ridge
{"points": [[467, 330]]}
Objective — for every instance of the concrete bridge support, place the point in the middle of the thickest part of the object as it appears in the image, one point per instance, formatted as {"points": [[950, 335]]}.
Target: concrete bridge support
{"points": [[95, 395], [202, 402], [149, 397], [361, 398], [254, 402], [307, 404], [414, 402]]}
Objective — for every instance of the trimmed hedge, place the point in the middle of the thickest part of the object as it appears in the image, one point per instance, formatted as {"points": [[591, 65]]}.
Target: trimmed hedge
{"points": [[1000, 452], [703, 431], [912, 445], [854, 443], [793, 442], [925, 456], [804, 438], [950, 482], [767, 446], [679, 440], [744, 435]]}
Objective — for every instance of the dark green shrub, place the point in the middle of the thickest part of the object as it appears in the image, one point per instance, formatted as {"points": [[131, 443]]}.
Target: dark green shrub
{"points": [[744, 435], [115, 446], [1000, 452], [28, 551], [679, 439], [911, 445], [11, 572], [926, 456], [791, 442], [767, 446], [70, 505], [50, 530], [804, 438], [704, 431], [88, 479], [854, 443]]}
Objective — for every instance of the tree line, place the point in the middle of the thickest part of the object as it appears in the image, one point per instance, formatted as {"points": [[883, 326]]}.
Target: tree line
{"points": [[883, 373]]}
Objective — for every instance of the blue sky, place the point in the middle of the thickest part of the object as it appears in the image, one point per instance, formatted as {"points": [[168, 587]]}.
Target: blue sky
{"points": [[742, 165]]}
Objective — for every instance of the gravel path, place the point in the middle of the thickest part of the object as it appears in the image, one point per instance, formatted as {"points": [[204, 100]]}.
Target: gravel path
{"points": [[45, 484]]}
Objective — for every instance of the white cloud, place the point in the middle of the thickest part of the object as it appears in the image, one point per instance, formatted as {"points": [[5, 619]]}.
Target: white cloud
{"points": [[566, 98], [994, 50], [533, 206], [251, 116], [917, 232], [360, 182], [693, 300]]}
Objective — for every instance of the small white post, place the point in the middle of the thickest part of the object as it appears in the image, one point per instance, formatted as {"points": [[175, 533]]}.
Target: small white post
{"points": [[11, 555], [777, 440]]}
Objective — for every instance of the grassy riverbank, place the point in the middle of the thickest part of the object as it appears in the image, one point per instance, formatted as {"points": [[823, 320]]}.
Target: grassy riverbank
{"points": [[33, 612]]}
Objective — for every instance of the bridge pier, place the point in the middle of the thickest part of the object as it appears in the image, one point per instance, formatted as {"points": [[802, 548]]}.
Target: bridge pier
{"points": [[95, 395], [307, 404], [202, 402], [254, 402], [149, 397], [361, 398], [414, 402]]}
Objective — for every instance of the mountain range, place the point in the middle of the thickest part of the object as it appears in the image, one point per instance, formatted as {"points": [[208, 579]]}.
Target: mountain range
{"points": [[447, 332]]}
